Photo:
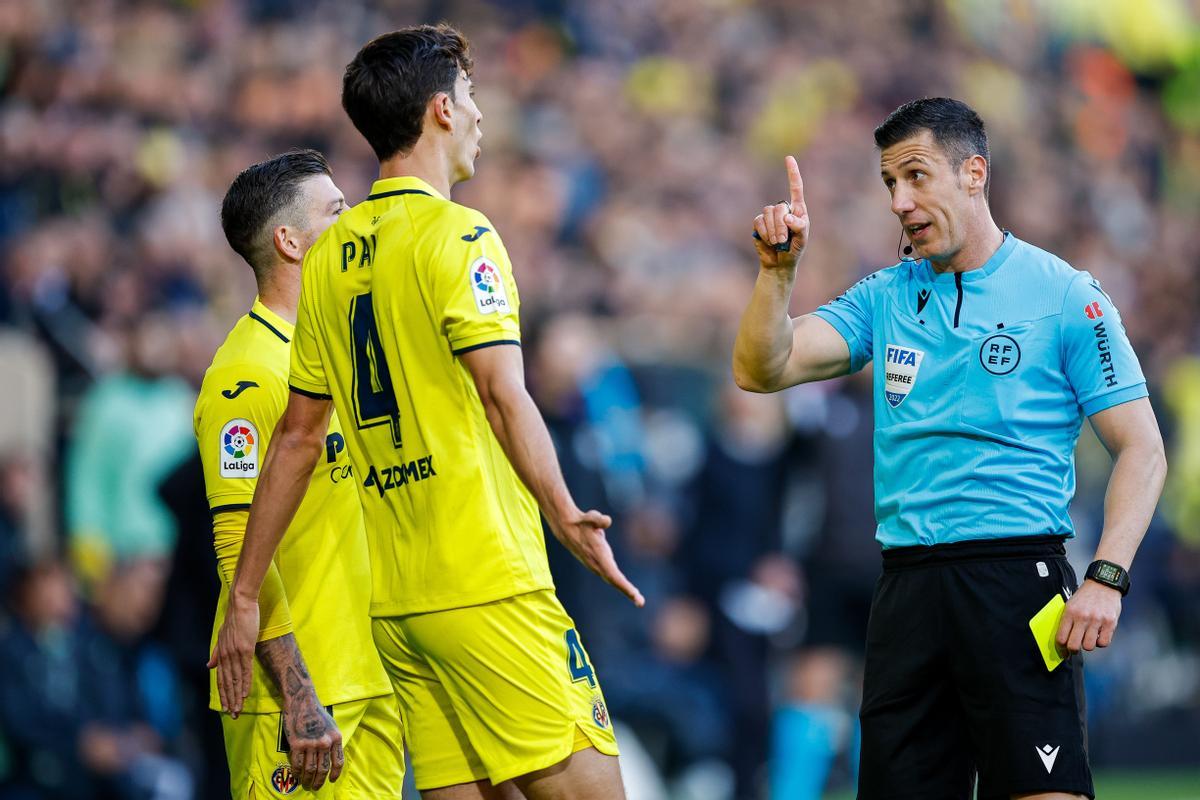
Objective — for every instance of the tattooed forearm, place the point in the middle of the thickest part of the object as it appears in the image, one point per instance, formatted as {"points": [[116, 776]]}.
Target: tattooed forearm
{"points": [[281, 660], [284, 665]]}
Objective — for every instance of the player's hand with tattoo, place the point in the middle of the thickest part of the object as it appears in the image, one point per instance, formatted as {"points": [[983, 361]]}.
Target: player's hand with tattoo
{"points": [[233, 655], [779, 221], [315, 740], [1090, 617], [316, 743]]}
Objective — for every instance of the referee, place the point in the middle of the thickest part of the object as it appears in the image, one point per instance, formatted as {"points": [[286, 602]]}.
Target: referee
{"points": [[989, 352]]}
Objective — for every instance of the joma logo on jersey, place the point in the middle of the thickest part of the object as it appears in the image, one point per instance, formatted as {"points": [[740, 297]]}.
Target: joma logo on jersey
{"points": [[901, 365]]}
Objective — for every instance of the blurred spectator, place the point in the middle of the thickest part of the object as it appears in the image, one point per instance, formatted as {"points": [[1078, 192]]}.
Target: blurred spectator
{"points": [[133, 427], [815, 728], [737, 556], [78, 687]]}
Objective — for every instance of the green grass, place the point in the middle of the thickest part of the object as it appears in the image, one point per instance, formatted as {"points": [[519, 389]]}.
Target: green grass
{"points": [[1174, 785]]}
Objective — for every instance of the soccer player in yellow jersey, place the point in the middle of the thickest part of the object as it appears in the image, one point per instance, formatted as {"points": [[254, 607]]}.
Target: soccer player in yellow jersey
{"points": [[316, 594], [408, 326]]}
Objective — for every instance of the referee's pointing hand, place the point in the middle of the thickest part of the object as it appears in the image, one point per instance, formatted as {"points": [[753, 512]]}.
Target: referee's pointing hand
{"points": [[778, 222]]}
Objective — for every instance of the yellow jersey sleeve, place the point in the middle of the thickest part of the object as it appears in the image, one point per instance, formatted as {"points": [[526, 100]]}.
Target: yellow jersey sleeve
{"points": [[236, 415], [307, 374], [274, 616], [472, 284]]}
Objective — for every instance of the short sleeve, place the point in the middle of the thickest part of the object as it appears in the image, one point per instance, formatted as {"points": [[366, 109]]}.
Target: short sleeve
{"points": [[852, 315], [473, 287], [307, 371], [239, 407], [1099, 361]]}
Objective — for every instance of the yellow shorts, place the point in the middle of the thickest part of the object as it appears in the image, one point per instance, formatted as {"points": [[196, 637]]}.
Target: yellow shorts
{"points": [[493, 691], [372, 739]]}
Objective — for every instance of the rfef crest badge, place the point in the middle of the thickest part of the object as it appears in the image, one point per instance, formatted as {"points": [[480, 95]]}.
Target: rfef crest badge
{"points": [[900, 373], [283, 780]]}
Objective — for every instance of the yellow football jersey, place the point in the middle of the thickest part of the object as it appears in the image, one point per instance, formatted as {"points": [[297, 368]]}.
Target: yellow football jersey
{"points": [[322, 560], [392, 293]]}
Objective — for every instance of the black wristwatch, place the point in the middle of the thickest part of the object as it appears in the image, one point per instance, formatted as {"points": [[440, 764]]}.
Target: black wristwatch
{"points": [[1109, 574]]}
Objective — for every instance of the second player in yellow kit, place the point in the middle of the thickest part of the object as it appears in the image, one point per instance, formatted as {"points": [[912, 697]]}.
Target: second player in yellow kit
{"points": [[393, 293], [319, 585]]}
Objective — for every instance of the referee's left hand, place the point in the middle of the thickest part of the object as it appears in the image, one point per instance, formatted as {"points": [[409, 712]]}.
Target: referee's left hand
{"points": [[1090, 618]]}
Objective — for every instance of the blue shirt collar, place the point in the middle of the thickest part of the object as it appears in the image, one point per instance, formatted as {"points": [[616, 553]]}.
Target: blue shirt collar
{"points": [[926, 272]]}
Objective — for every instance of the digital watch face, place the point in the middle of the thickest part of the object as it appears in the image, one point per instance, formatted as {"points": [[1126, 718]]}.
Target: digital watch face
{"points": [[1107, 572]]}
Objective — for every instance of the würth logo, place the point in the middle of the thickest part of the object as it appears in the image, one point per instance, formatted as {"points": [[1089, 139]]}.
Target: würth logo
{"points": [[1093, 311]]}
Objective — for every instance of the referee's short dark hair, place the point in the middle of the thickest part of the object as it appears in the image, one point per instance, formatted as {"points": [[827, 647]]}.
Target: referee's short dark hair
{"points": [[955, 126], [390, 81], [260, 198]]}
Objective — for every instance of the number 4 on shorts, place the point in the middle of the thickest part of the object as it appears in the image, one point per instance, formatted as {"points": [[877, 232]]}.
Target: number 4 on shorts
{"points": [[577, 660]]}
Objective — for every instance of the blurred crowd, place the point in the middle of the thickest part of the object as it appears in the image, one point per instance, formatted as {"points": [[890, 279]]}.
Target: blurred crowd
{"points": [[627, 146]]}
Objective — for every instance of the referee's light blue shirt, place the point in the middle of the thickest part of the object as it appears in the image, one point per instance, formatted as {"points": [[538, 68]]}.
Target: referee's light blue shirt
{"points": [[982, 380]]}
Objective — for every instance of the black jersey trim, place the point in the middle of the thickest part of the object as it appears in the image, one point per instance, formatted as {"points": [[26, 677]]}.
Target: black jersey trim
{"points": [[395, 192], [269, 327], [230, 507], [307, 393], [462, 350], [958, 305]]}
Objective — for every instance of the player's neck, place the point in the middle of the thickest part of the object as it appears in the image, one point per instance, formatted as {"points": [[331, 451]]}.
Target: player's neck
{"points": [[281, 292], [428, 163]]}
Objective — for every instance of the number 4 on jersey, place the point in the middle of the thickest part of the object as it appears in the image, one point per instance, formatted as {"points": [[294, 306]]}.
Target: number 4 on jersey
{"points": [[374, 398], [577, 660]]}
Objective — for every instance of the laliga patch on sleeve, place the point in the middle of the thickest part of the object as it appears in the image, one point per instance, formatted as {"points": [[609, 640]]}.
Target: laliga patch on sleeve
{"points": [[488, 287], [239, 449]]}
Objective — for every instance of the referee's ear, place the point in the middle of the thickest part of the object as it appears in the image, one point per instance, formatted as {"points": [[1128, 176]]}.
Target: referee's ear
{"points": [[976, 168]]}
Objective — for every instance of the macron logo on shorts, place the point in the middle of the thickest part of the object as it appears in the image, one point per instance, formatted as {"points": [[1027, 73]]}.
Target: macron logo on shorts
{"points": [[1048, 756]]}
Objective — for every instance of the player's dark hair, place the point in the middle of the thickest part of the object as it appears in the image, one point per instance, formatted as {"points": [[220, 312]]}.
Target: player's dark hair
{"points": [[390, 81], [259, 195], [955, 126]]}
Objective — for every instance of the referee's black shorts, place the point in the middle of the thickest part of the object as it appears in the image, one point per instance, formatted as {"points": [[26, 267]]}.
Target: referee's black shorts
{"points": [[955, 684]]}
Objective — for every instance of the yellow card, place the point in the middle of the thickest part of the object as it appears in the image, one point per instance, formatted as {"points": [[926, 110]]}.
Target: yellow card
{"points": [[1045, 627]]}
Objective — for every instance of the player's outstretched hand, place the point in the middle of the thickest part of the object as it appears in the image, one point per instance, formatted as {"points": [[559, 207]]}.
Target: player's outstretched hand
{"points": [[315, 741], [778, 222], [233, 655], [1090, 618], [582, 532]]}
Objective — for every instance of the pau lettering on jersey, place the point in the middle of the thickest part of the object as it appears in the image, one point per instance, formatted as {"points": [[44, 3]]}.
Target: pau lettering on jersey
{"points": [[901, 365], [397, 476], [335, 444], [361, 250], [1106, 361]]}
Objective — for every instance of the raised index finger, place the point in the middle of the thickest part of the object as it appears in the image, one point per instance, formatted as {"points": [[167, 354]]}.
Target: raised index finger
{"points": [[795, 183]]}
